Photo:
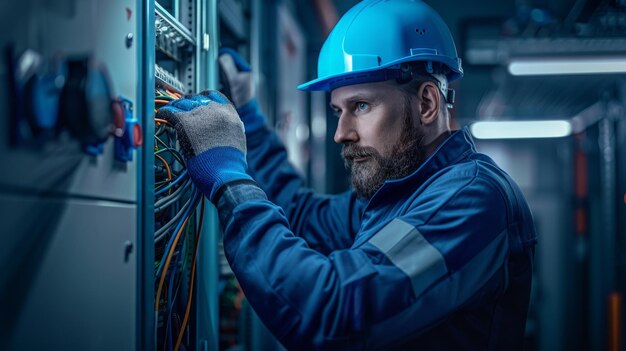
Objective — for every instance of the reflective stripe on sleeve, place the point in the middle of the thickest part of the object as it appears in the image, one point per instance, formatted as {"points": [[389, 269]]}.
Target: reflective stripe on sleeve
{"points": [[407, 249], [444, 297]]}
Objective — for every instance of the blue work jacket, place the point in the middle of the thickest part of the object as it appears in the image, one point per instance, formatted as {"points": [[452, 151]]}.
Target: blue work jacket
{"points": [[438, 260]]}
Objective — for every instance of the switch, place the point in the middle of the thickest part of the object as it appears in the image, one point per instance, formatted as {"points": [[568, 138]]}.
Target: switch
{"points": [[132, 136]]}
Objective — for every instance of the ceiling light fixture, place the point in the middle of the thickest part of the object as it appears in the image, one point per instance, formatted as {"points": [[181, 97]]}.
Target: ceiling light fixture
{"points": [[567, 66], [521, 129]]}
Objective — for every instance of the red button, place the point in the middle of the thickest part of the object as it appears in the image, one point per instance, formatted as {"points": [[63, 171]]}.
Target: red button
{"points": [[118, 118], [137, 135]]}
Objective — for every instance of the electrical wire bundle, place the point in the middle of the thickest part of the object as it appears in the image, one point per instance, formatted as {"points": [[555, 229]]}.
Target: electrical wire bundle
{"points": [[178, 225]]}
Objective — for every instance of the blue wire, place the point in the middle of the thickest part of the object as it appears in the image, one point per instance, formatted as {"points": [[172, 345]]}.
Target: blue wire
{"points": [[170, 296], [169, 302], [193, 204], [182, 175], [196, 197]]}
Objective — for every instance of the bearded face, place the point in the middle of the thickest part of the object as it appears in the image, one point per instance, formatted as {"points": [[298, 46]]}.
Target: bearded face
{"points": [[370, 168]]}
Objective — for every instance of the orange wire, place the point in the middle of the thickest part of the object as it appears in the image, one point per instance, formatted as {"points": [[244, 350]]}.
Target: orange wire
{"points": [[159, 101], [167, 264], [181, 333], [176, 95], [159, 120], [167, 167]]}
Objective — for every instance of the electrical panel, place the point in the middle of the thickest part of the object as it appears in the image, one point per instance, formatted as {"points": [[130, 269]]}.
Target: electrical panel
{"points": [[69, 193]]}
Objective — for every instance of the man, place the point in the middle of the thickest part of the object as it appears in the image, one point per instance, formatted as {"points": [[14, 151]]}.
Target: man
{"points": [[433, 247]]}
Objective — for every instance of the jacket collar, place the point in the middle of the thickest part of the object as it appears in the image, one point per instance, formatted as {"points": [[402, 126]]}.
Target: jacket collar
{"points": [[455, 148]]}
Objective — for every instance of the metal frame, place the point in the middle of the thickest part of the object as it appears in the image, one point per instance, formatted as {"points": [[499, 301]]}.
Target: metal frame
{"points": [[174, 23], [206, 289], [145, 176]]}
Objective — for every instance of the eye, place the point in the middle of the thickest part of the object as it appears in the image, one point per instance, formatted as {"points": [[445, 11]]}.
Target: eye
{"points": [[337, 113], [362, 106]]}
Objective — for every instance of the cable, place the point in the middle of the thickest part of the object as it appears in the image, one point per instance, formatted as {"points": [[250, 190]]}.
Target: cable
{"points": [[160, 234], [161, 182], [174, 153], [170, 190], [169, 249], [161, 174], [181, 255], [170, 287], [167, 262], [165, 97], [166, 201], [174, 239], [176, 95], [181, 332], [160, 129], [161, 141], [167, 167], [181, 176]]}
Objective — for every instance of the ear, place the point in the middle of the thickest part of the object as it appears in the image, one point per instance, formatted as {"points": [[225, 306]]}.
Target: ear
{"points": [[429, 102]]}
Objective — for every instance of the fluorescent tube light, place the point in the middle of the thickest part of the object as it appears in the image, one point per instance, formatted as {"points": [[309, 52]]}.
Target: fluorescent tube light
{"points": [[565, 66], [521, 129]]}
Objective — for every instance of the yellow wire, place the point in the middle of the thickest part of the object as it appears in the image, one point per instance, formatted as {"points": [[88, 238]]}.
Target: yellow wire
{"points": [[167, 264], [167, 167], [181, 333]]}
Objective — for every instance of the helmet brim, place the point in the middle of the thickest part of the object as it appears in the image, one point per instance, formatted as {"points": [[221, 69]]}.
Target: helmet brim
{"points": [[331, 82]]}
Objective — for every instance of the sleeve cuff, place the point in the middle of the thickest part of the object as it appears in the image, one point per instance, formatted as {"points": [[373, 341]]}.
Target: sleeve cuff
{"points": [[231, 194]]}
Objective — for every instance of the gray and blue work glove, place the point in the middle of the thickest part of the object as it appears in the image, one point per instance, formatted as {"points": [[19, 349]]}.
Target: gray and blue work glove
{"points": [[236, 77], [212, 139]]}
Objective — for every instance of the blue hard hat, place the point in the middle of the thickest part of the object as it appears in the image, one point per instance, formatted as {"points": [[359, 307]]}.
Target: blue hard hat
{"points": [[376, 36]]}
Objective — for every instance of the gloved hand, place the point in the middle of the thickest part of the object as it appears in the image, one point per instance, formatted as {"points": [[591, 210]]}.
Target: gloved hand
{"points": [[212, 139], [236, 77]]}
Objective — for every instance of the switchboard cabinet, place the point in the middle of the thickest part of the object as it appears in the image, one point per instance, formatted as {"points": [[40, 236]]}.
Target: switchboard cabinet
{"points": [[69, 207], [78, 85]]}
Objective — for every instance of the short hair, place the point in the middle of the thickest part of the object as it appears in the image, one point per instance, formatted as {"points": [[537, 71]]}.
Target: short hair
{"points": [[410, 89]]}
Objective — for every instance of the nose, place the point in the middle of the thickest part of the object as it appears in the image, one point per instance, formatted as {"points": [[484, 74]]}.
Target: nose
{"points": [[346, 132]]}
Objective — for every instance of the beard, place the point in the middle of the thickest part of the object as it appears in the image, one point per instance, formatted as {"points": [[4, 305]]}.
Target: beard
{"points": [[404, 158]]}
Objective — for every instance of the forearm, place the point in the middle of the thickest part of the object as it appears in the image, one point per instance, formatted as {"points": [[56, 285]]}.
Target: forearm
{"points": [[292, 287]]}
